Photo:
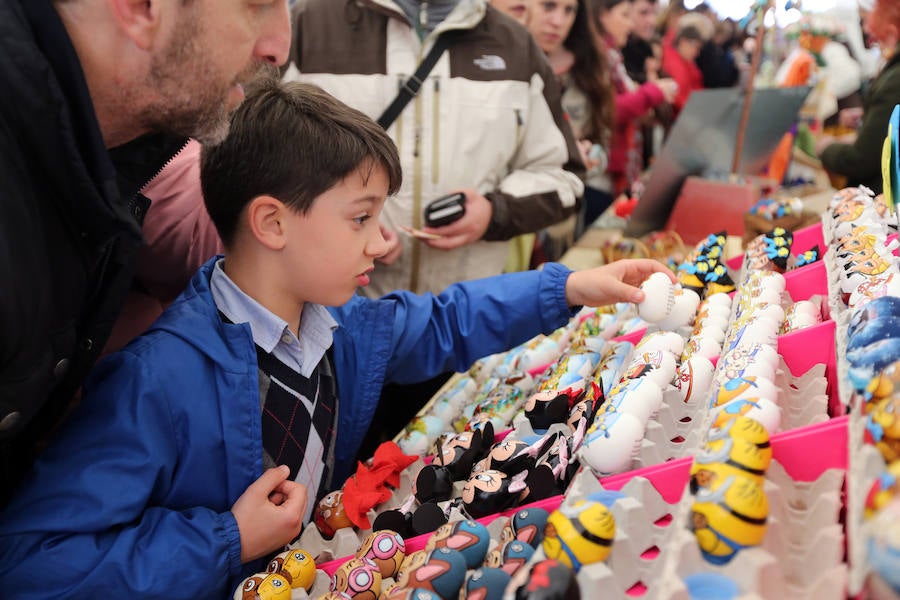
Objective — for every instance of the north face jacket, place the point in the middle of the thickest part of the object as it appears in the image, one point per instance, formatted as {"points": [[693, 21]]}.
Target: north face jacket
{"points": [[488, 117]]}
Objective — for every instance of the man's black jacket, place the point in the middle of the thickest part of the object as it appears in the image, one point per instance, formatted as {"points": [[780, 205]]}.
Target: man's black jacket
{"points": [[70, 227]]}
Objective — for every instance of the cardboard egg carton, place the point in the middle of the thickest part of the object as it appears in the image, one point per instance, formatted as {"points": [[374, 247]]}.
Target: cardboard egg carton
{"points": [[802, 399], [866, 465], [347, 540], [643, 520], [790, 563]]}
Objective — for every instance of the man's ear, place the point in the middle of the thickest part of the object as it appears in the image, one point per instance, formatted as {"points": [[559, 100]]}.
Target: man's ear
{"points": [[264, 219], [139, 20]]}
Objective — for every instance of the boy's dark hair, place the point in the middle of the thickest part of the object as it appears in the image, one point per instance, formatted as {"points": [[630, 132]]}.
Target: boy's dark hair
{"points": [[291, 141]]}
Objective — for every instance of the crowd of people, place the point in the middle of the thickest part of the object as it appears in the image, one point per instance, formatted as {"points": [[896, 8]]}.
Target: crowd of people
{"points": [[216, 258]]}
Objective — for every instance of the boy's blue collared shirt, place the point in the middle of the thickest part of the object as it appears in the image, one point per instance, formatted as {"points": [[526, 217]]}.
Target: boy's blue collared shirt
{"points": [[271, 332]]}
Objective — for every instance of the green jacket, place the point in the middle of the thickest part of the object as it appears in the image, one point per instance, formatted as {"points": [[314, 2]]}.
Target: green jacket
{"points": [[860, 162]]}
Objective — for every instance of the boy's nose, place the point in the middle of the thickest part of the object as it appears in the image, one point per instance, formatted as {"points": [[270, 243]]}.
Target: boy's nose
{"points": [[378, 245]]}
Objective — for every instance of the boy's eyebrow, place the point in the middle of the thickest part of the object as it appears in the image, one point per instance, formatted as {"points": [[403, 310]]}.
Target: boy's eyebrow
{"points": [[370, 199]]}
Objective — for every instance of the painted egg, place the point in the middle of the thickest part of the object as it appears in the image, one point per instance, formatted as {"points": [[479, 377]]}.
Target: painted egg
{"points": [[883, 544], [402, 593], [509, 557], [729, 516], [359, 578], [720, 458], [874, 330], [579, 534], [713, 311], [330, 515], [296, 565], [684, 309], [693, 379], [766, 279], [545, 580], [659, 298], [745, 387], [640, 398], [470, 538], [719, 299], [702, 345], [883, 490], [796, 320], [486, 584], [386, 549], [491, 491], [611, 443], [443, 573], [711, 586], [714, 327], [527, 525], [762, 410], [659, 367], [745, 428], [264, 586], [667, 341]]}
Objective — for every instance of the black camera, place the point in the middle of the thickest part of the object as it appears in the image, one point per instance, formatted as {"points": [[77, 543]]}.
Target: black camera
{"points": [[445, 210]]}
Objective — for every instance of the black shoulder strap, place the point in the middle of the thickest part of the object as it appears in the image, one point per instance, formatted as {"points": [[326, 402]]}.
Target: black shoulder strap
{"points": [[412, 85]]}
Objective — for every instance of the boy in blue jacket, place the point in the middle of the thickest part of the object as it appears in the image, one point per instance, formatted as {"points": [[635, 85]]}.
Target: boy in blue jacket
{"points": [[200, 448]]}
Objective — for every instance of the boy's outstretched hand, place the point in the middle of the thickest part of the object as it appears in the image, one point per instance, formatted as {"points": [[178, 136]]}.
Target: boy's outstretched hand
{"points": [[270, 513], [615, 282]]}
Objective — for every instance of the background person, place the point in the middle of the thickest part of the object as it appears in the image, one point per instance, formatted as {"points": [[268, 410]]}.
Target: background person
{"points": [[517, 9], [858, 156], [612, 21], [680, 55], [562, 30]]}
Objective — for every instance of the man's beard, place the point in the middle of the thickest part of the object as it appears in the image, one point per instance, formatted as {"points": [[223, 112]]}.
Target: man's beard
{"points": [[191, 94]]}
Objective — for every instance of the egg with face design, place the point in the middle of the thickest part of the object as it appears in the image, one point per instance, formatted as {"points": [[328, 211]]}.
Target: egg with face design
{"points": [[442, 572], [330, 516], [264, 586], [386, 549], [490, 492], [579, 534], [468, 537], [359, 578], [528, 525], [486, 584], [728, 516], [296, 565]]}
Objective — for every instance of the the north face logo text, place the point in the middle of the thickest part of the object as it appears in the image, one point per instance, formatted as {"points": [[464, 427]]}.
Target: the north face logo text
{"points": [[490, 62]]}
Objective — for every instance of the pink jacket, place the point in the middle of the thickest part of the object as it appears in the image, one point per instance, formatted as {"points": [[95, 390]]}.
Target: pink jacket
{"points": [[632, 103], [178, 238], [685, 72]]}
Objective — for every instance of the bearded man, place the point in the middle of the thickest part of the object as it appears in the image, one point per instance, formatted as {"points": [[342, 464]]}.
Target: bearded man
{"points": [[98, 96]]}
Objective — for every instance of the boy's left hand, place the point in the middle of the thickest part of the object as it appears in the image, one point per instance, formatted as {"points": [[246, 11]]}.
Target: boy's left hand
{"points": [[615, 282]]}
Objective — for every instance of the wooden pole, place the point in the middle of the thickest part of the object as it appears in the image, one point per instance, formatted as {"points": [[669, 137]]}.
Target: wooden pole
{"points": [[748, 93]]}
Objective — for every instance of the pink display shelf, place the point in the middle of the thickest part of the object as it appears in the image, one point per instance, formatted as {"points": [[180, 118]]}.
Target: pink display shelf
{"points": [[804, 239], [805, 348], [805, 453]]}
